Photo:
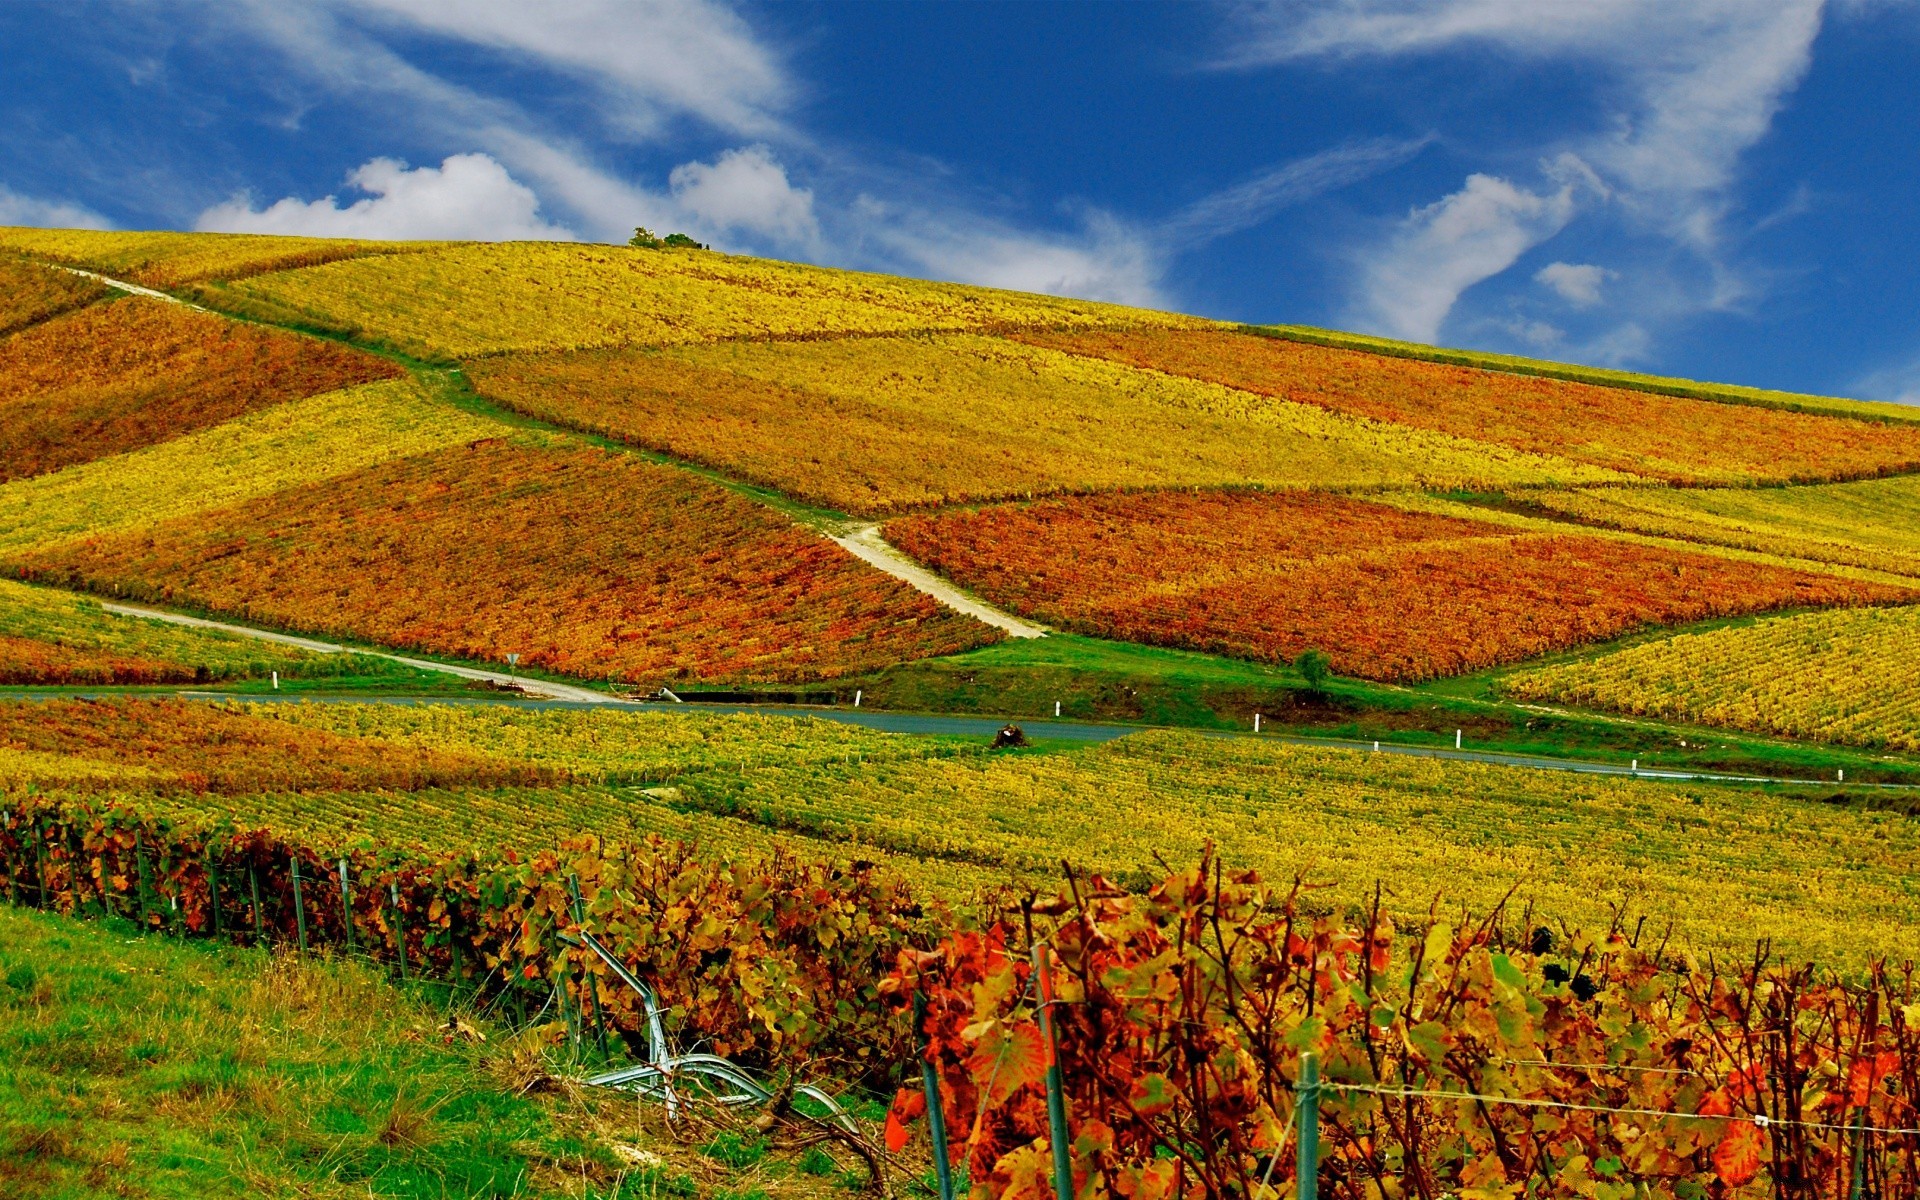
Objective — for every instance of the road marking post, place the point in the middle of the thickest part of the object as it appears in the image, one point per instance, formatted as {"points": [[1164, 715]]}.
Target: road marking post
{"points": [[1458, 734]]}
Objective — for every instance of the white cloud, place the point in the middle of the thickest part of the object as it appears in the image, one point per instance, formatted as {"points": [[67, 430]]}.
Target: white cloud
{"points": [[16, 209], [1688, 88], [1899, 384], [467, 197], [661, 57], [1409, 285], [746, 189], [1106, 260], [1247, 204], [1577, 283]]}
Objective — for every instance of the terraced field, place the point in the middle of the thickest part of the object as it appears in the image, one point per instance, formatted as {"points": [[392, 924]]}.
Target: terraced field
{"points": [[1384, 593], [1847, 677], [1872, 523], [877, 425], [584, 562], [135, 372], [1678, 439]]}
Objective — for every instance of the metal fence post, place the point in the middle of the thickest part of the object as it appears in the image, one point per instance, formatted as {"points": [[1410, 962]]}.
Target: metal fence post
{"points": [[259, 922], [299, 902], [936, 1112], [213, 891], [586, 970], [346, 902], [1859, 1152], [1307, 1166], [1056, 1097], [399, 927]]}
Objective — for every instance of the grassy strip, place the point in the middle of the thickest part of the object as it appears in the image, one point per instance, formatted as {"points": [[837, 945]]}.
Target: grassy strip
{"points": [[146, 1067], [1724, 393]]}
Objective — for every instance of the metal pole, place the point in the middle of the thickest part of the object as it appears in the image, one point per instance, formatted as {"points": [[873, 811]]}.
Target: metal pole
{"points": [[213, 892], [1056, 1096], [1307, 1166], [399, 927], [299, 902], [346, 902], [936, 1113], [580, 919], [1859, 1151], [140, 880], [259, 923]]}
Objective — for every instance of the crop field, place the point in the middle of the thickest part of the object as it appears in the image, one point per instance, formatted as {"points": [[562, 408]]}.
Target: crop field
{"points": [[55, 637], [465, 300], [195, 747], [1872, 523], [585, 562], [1673, 438], [335, 433], [135, 372], [1850, 676], [29, 293], [167, 260], [876, 425], [1385, 594], [1725, 864]]}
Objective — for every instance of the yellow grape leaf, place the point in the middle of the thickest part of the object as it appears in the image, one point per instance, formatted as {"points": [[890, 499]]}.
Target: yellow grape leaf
{"points": [[1006, 1059]]}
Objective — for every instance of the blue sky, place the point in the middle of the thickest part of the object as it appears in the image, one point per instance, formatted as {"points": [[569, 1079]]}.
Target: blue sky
{"points": [[1722, 189]]}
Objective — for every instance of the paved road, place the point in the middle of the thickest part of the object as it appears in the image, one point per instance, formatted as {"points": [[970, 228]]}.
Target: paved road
{"points": [[560, 695]]}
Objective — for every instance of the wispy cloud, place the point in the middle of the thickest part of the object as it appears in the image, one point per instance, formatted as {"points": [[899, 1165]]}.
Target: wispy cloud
{"points": [[1691, 88], [1899, 383], [1251, 203], [16, 209]]}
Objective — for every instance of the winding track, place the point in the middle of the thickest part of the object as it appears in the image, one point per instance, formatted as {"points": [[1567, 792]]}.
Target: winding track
{"points": [[866, 544]]}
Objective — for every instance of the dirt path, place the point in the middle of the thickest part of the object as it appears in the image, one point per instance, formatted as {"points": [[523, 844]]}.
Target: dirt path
{"points": [[124, 286], [533, 687], [866, 544]]}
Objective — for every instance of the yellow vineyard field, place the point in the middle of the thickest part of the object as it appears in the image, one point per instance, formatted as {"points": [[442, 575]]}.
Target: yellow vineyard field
{"points": [[171, 260], [1727, 866], [877, 425], [465, 300], [317, 438], [1874, 524], [1850, 676]]}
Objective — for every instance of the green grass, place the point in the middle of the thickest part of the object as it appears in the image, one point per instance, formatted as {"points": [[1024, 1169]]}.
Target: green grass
{"points": [[150, 1068]]}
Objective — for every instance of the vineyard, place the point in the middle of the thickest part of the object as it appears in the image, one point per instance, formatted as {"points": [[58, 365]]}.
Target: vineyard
{"points": [[173, 260], [584, 562], [30, 294], [1873, 524], [1833, 677], [876, 425], [465, 300], [53, 637], [322, 437], [1665, 437], [1385, 594], [1721, 866], [119, 376]]}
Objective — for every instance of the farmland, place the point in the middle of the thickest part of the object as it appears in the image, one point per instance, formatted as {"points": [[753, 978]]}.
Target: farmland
{"points": [[30, 293], [166, 260], [1831, 676], [583, 561], [135, 372], [1712, 859], [1678, 439], [1383, 593], [1872, 523], [332, 434], [53, 637], [465, 300], [876, 425]]}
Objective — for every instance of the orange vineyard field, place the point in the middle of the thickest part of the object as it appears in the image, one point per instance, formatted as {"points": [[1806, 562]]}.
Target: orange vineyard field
{"points": [[1666, 437], [135, 372], [208, 748], [584, 562], [1384, 594], [30, 293]]}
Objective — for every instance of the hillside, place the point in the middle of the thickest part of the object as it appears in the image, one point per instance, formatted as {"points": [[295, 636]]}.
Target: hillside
{"points": [[490, 594]]}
